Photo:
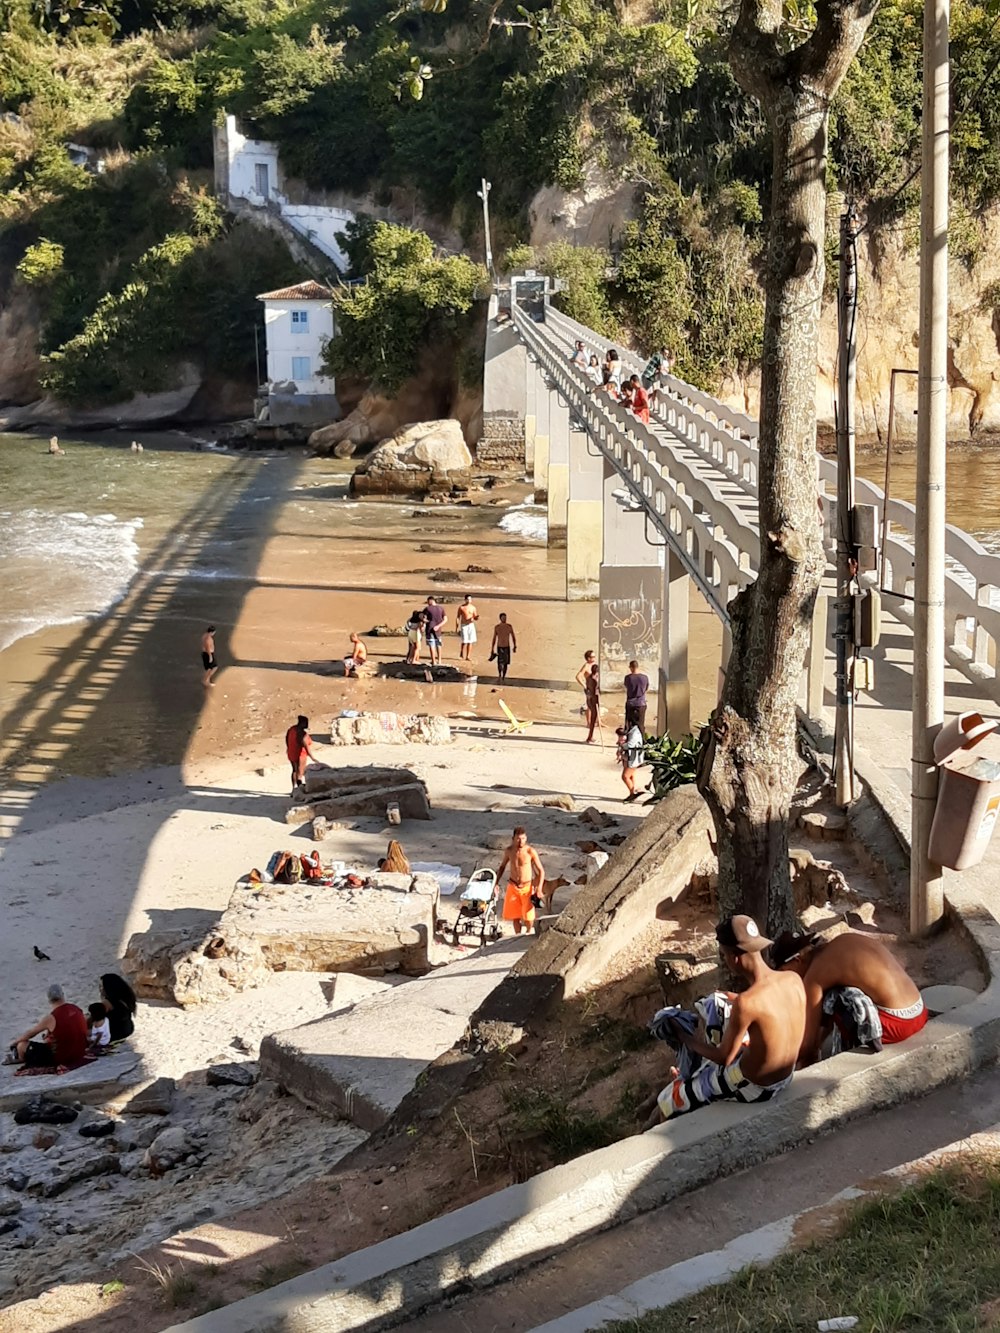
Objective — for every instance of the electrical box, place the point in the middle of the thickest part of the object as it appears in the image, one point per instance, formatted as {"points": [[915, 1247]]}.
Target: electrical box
{"points": [[864, 673], [867, 618], [865, 536]]}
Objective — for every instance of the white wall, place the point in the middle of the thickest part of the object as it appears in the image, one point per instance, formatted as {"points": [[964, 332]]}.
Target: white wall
{"points": [[244, 155], [320, 225], [286, 340]]}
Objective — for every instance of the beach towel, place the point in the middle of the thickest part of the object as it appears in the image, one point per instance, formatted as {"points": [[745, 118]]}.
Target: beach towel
{"points": [[856, 1020], [672, 1023], [27, 1071]]}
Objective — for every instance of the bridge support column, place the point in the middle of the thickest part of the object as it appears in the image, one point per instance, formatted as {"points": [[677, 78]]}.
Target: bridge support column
{"points": [[530, 414], [584, 519], [631, 590], [540, 466], [674, 712], [558, 485]]}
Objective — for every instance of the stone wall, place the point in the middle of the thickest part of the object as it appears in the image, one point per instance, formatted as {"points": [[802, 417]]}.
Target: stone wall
{"points": [[501, 445]]}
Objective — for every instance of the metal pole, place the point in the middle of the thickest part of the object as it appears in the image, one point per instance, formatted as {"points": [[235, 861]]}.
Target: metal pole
{"points": [[846, 557], [484, 194], [926, 880]]}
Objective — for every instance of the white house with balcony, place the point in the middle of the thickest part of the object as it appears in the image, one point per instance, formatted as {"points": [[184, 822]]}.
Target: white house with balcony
{"points": [[298, 323]]}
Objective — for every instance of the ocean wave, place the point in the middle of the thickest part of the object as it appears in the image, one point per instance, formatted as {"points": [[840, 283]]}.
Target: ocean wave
{"points": [[59, 568], [526, 520]]}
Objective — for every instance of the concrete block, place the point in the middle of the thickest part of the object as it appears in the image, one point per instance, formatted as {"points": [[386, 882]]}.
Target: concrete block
{"points": [[361, 1062]]}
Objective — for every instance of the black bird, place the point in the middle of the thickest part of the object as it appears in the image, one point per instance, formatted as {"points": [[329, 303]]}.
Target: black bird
{"points": [[42, 957]]}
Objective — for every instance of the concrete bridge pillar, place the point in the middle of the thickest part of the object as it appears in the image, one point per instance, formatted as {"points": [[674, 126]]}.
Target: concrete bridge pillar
{"points": [[674, 711], [631, 590], [540, 465], [557, 490], [530, 413], [584, 519]]}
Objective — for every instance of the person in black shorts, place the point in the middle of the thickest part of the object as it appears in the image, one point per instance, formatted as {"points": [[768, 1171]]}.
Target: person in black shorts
{"points": [[208, 661]]}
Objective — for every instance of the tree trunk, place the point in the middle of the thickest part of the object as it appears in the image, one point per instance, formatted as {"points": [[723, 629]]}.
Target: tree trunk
{"points": [[751, 763]]}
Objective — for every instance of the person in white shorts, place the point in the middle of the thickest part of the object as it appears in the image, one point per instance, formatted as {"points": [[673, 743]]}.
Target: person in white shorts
{"points": [[466, 615]]}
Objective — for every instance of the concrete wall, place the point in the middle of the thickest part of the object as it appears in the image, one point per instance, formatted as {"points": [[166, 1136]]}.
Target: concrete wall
{"points": [[320, 225], [240, 158], [503, 368], [286, 340]]}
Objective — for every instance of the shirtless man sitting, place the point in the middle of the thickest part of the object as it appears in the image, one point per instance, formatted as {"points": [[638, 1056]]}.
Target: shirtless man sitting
{"points": [[358, 657], [760, 1043], [849, 959], [526, 881]]}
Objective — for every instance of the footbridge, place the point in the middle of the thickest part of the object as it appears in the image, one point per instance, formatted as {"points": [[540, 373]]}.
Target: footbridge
{"points": [[652, 515]]}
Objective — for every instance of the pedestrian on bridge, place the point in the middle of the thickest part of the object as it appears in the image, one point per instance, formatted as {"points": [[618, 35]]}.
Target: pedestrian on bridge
{"points": [[640, 400], [578, 356]]}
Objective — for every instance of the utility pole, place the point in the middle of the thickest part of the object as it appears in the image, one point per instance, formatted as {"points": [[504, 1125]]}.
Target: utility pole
{"points": [[926, 879], [484, 195], [847, 565]]}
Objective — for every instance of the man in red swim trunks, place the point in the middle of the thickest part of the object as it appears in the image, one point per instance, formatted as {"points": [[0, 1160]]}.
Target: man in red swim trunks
{"points": [[850, 959], [526, 881], [298, 747]]}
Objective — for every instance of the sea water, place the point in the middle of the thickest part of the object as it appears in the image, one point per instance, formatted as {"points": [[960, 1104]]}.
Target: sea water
{"points": [[75, 528]]}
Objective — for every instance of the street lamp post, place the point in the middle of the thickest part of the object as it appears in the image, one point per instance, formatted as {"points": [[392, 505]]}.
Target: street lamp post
{"points": [[926, 880]]}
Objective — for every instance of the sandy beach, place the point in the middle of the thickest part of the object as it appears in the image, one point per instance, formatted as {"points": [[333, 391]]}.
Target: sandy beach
{"points": [[132, 798]]}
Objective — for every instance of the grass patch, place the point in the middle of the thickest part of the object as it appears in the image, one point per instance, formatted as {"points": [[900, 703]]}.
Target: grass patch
{"points": [[271, 1275], [924, 1261], [565, 1132]]}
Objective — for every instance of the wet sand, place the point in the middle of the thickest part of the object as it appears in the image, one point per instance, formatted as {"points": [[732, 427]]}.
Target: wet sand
{"points": [[123, 692]]}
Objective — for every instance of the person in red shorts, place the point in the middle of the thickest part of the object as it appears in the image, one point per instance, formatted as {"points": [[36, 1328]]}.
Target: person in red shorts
{"points": [[526, 882], [850, 959], [64, 1036], [298, 747]]}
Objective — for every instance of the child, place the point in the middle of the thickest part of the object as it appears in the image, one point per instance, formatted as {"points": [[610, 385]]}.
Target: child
{"points": [[98, 1028]]}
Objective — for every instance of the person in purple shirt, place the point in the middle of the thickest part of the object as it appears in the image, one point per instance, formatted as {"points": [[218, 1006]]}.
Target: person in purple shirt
{"points": [[434, 620], [636, 685]]}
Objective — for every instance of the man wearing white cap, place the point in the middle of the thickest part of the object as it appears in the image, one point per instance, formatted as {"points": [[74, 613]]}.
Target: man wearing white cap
{"points": [[756, 1051]]}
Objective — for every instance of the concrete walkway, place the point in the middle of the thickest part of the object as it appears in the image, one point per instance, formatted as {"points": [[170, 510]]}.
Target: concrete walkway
{"points": [[709, 1218], [362, 1061]]}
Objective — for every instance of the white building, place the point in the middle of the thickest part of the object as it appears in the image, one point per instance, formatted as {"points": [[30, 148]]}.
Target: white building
{"points": [[298, 323], [248, 172]]}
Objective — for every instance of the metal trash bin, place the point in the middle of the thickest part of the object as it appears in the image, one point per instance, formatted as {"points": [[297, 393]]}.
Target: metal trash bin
{"points": [[968, 799]]}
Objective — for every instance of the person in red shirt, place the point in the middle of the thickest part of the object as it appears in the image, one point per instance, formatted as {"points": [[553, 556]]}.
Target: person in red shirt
{"points": [[64, 1033], [298, 747], [640, 400]]}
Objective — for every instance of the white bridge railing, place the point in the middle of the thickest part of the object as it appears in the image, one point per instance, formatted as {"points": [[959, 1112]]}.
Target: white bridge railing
{"points": [[727, 440]]}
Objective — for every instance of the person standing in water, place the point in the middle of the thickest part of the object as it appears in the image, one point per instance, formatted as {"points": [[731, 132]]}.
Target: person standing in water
{"points": [[466, 615], [209, 662], [504, 643]]}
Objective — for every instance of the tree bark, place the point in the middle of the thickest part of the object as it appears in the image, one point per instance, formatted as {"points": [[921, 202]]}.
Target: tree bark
{"points": [[751, 764]]}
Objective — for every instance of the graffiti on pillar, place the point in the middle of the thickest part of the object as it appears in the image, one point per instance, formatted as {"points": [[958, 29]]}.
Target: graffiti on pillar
{"points": [[630, 626]]}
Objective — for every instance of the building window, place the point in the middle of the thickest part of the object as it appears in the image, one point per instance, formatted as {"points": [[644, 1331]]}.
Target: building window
{"points": [[300, 321], [300, 368], [260, 179]]}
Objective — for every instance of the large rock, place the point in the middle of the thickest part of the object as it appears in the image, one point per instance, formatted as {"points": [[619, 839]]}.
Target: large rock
{"points": [[369, 930], [392, 728], [323, 778], [430, 453], [53, 1174], [194, 968], [167, 1150], [411, 798], [142, 409]]}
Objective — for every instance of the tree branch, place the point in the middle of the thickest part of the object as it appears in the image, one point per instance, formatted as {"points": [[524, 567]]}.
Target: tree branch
{"points": [[824, 59], [754, 54]]}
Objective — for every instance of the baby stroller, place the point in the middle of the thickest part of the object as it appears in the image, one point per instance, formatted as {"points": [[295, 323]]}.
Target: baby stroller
{"points": [[477, 913]]}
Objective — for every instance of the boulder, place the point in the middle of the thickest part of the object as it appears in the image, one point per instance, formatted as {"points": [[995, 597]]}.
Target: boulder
{"points": [[42, 1111], [167, 1150], [154, 1099], [9, 1203], [230, 1075], [396, 728], [54, 1174], [192, 967], [417, 457]]}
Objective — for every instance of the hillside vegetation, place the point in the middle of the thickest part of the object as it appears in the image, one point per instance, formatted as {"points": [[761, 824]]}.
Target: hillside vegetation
{"points": [[135, 268]]}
